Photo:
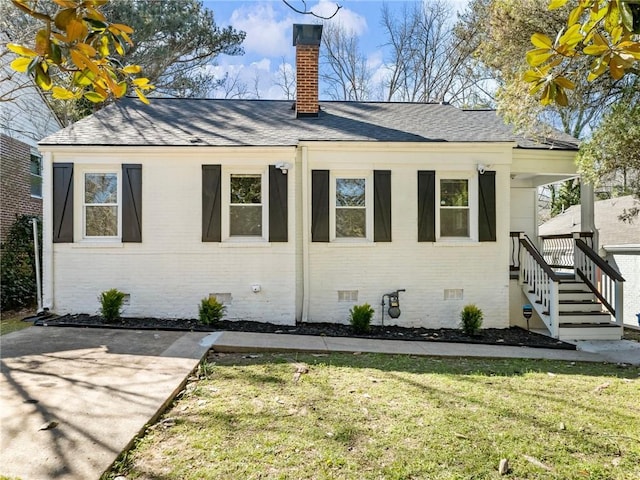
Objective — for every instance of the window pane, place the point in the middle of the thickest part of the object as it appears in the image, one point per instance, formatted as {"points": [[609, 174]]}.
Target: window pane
{"points": [[454, 222], [454, 193], [350, 192], [101, 188], [101, 221], [36, 186], [246, 189], [35, 165], [245, 221], [351, 223]]}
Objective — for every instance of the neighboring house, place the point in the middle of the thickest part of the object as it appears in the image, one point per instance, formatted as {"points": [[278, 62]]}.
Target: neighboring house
{"points": [[619, 244], [292, 212], [25, 118]]}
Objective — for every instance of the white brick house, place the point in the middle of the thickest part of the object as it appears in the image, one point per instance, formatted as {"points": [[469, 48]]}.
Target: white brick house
{"points": [[292, 213]]}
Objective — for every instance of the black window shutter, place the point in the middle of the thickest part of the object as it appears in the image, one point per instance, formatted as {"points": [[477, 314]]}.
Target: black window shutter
{"points": [[487, 207], [131, 202], [382, 205], [278, 205], [63, 202], [320, 205], [426, 206], [211, 203]]}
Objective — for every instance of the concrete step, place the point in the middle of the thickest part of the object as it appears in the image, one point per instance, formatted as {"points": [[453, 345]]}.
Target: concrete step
{"points": [[601, 331]]}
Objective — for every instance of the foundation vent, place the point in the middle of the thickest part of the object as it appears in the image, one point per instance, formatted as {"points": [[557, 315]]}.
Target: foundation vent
{"points": [[453, 293], [223, 298], [347, 295]]}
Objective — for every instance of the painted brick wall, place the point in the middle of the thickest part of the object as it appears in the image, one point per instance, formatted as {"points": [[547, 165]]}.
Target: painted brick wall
{"points": [[15, 186], [424, 269], [172, 269]]}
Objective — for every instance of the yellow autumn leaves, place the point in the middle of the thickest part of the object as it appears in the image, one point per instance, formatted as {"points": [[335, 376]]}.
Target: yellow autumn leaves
{"points": [[607, 30], [79, 45]]}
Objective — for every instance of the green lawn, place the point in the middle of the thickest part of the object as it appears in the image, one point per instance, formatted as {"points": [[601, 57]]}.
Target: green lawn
{"points": [[395, 417], [12, 321]]}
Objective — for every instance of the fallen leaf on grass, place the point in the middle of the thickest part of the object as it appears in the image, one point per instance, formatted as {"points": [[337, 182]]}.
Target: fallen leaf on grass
{"points": [[538, 463], [503, 468], [300, 369], [459, 435], [601, 387]]}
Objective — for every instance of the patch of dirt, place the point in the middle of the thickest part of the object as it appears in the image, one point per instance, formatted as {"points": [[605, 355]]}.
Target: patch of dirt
{"points": [[491, 336]]}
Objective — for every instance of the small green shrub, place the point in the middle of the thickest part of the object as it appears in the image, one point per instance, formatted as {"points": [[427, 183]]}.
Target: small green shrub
{"points": [[211, 311], [360, 317], [111, 304], [471, 319]]}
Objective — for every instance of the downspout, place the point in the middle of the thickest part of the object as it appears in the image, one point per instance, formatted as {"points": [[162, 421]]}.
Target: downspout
{"points": [[305, 236], [47, 237], [36, 256]]}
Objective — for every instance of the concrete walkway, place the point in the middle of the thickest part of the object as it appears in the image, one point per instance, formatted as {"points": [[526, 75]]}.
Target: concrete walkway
{"points": [[101, 387]]}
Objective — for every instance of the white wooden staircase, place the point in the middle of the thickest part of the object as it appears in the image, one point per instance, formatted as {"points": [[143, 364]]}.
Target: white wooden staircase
{"points": [[578, 304]]}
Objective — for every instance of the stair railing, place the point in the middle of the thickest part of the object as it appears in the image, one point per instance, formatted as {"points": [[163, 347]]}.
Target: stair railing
{"points": [[542, 283], [605, 282]]}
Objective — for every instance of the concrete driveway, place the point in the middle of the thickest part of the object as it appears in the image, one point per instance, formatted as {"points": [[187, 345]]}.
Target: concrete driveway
{"points": [[100, 387]]}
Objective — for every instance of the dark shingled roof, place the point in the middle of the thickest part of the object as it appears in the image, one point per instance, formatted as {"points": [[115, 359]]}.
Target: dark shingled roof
{"points": [[206, 122]]}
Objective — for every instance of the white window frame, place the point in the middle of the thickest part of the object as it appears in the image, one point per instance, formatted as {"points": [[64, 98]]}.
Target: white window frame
{"points": [[80, 185], [368, 192], [35, 153], [226, 204], [472, 184]]}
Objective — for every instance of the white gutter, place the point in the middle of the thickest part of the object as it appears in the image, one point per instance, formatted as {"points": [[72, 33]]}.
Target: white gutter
{"points": [[629, 248], [305, 235], [47, 229], [36, 256]]}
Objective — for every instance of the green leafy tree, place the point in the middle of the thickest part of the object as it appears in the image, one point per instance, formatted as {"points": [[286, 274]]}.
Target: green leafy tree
{"points": [[604, 32], [613, 152], [77, 53], [174, 41], [499, 34], [17, 264], [562, 197]]}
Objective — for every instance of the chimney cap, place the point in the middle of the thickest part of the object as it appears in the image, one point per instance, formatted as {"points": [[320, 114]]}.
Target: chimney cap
{"points": [[306, 34]]}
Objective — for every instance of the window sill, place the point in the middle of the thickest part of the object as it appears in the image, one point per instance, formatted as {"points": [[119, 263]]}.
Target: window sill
{"points": [[37, 197], [245, 243], [467, 242], [93, 244], [351, 243]]}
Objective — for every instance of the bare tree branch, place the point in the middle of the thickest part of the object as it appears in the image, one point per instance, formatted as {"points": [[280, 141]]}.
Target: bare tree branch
{"points": [[306, 11]]}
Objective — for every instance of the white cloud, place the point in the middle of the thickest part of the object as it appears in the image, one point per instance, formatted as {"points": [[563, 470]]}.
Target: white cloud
{"points": [[266, 33], [348, 19]]}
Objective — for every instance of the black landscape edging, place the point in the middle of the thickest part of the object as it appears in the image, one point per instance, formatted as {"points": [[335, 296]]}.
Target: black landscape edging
{"points": [[59, 321]]}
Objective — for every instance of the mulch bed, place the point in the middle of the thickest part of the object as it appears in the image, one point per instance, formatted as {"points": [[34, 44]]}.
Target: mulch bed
{"points": [[513, 336]]}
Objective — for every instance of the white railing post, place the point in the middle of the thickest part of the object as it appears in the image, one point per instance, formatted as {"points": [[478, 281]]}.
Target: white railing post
{"points": [[619, 305], [554, 317]]}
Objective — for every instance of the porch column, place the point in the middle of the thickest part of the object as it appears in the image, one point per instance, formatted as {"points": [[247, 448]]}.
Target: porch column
{"points": [[587, 222]]}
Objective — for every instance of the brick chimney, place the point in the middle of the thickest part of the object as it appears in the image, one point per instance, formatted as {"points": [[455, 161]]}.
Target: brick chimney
{"points": [[306, 39]]}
